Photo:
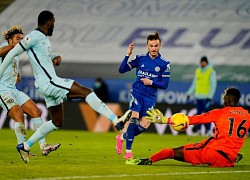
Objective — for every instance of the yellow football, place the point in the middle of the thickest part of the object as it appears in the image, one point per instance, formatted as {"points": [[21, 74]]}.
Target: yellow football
{"points": [[179, 122]]}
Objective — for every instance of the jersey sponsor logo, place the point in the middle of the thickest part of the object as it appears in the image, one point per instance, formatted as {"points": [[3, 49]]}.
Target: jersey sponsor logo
{"points": [[157, 69], [146, 74]]}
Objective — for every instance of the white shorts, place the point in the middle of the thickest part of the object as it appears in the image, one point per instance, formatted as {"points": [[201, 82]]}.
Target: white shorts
{"points": [[12, 97], [55, 92]]}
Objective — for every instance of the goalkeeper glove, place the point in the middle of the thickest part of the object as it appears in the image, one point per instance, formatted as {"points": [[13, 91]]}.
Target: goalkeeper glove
{"points": [[156, 116]]}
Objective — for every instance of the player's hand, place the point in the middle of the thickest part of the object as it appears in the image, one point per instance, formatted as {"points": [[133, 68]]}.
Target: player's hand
{"points": [[146, 81], [130, 48], [57, 60], [156, 116]]}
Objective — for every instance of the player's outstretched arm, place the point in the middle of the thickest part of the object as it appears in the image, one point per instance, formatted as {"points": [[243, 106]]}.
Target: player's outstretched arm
{"points": [[9, 57], [156, 116], [4, 50]]}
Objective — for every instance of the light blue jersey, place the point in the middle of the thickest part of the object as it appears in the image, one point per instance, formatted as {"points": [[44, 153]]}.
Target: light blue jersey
{"points": [[53, 88], [9, 78], [38, 48], [9, 95]]}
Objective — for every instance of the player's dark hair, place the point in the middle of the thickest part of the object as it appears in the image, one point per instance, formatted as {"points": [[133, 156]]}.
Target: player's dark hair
{"points": [[233, 93], [204, 59], [9, 33], [44, 16], [154, 36]]}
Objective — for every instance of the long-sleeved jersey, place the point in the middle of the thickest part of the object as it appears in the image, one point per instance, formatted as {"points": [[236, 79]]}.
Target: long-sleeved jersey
{"points": [[38, 48], [231, 127], [157, 70], [10, 74]]}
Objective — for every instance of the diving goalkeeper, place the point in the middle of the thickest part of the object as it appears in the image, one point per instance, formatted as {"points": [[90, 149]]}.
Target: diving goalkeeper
{"points": [[222, 150]]}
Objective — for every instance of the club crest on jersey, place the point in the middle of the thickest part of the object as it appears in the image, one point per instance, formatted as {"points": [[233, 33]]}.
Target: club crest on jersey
{"points": [[27, 39], [157, 69], [10, 101]]}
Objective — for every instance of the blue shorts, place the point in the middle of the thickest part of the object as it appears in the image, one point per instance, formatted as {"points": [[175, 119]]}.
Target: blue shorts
{"points": [[55, 92], [10, 97], [141, 103]]}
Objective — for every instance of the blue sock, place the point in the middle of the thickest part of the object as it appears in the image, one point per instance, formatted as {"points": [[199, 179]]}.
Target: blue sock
{"points": [[100, 106], [131, 132], [138, 131]]}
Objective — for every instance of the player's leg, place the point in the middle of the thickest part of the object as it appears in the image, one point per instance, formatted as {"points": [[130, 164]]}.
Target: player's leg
{"points": [[79, 91], [11, 107], [30, 108], [169, 153], [166, 153], [16, 114], [56, 113], [130, 134]]}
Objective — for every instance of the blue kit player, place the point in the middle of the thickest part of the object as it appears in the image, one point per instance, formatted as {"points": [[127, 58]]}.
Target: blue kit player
{"points": [[152, 73], [54, 89]]}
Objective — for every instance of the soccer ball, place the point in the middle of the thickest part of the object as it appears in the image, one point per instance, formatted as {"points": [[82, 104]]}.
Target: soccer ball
{"points": [[180, 122]]}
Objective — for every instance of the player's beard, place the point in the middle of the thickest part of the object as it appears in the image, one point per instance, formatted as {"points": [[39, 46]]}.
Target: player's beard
{"points": [[154, 54], [50, 31]]}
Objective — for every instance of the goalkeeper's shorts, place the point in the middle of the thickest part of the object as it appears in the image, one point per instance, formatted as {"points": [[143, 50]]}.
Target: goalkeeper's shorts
{"points": [[201, 154]]}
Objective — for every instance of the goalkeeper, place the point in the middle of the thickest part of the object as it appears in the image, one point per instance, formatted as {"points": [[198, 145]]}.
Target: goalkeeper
{"points": [[221, 150]]}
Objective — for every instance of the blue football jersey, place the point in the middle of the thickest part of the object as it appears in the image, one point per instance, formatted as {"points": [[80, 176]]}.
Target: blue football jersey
{"points": [[157, 70]]}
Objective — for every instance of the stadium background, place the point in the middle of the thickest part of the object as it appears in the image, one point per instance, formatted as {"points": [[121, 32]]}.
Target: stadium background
{"points": [[92, 37]]}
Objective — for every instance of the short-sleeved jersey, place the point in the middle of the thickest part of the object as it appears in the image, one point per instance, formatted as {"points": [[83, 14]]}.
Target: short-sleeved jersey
{"points": [[157, 69], [38, 48], [9, 78], [231, 127]]}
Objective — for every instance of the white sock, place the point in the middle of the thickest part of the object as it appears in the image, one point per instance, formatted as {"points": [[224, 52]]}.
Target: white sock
{"points": [[20, 132], [40, 133], [100, 106], [121, 137], [37, 122]]}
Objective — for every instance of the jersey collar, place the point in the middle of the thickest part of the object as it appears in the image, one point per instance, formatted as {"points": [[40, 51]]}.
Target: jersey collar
{"points": [[38, 29]]}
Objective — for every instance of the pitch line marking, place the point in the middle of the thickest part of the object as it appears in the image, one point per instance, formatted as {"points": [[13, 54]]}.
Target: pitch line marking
{"points": [[137, 175]]}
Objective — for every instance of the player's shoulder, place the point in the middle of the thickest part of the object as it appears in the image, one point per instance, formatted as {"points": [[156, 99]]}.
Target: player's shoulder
{"points": [[141, 55], [164, 60]]}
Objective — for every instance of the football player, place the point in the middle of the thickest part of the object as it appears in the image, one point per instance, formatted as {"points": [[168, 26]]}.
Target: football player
{"points": [[222, 150], [54, 89], [152, 73]]}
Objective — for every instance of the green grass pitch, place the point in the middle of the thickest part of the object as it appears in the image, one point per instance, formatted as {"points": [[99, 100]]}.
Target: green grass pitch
{"points": [[86, 155]]}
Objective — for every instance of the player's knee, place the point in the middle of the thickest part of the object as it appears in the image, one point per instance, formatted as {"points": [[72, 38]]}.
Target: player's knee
{"points": [[178, 154], [58, 124], [87, 91], [36, 113]]}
